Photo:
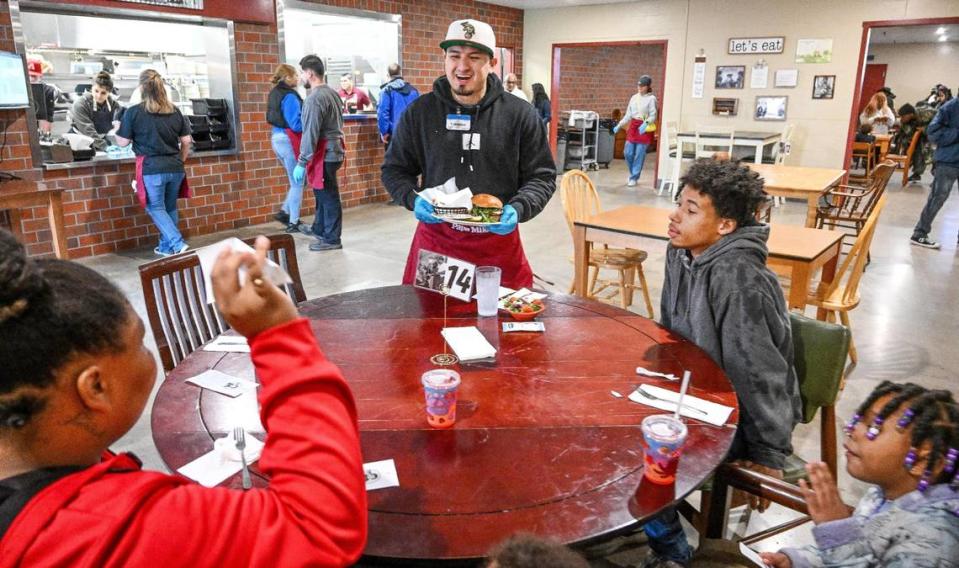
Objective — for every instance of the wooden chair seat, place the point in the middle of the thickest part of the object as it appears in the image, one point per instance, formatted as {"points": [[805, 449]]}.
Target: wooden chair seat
{"points": [[181, 318], [581, 201]]}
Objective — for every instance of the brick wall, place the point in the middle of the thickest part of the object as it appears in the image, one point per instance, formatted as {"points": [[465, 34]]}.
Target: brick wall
{"points": [[100, 212], [603, 78], [424, 27]]}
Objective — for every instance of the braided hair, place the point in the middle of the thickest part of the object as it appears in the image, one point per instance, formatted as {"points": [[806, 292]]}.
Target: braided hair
{"points": [[934, 417], [50, 311]]}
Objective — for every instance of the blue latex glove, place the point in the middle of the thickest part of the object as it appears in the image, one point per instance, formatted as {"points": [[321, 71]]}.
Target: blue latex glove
{"points": [[507, 221], [615, 129], [423, 211], [299, 174], [642, 128]]}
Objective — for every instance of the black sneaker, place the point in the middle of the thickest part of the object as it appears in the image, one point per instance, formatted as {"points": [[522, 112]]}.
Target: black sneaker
{"points": [[321, 246], [915, 177], [298, 228], [282, 217], [923, 242]]}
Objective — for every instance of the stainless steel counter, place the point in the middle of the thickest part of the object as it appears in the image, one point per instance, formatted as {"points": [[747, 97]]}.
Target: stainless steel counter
{"points": [[101, 159]]}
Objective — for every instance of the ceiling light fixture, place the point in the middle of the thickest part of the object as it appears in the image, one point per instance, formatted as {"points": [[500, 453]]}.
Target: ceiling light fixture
{"points": [[941, 31], [943, 38]]}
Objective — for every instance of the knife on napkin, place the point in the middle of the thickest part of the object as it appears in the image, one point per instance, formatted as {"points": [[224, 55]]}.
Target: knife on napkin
{"points": [[693, 407]]}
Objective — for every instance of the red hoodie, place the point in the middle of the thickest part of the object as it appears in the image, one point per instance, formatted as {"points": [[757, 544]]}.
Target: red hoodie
{"points": [[313, 512]]}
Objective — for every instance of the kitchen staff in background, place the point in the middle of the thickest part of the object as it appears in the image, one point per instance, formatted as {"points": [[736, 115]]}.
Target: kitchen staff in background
{"points": [[491, 142], [354, 99], [97, 112], [45, 95], [641, 117], [283, 108]]}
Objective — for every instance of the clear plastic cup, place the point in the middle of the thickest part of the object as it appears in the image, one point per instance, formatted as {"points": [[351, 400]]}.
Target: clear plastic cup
{"points": [[440, 386], [487, 290], [663, 437]]}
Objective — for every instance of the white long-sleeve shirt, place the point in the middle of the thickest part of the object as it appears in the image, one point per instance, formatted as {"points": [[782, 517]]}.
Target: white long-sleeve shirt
{"points": [[879, 127], [641, 107]]}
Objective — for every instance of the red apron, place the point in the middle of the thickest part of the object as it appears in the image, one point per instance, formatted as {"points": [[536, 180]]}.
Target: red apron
{"points": [[481, 249], [185, 190], [314, 168], [633, 135]]}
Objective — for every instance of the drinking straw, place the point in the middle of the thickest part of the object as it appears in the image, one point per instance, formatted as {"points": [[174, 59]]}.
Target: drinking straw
{"points": [[682, 394]]}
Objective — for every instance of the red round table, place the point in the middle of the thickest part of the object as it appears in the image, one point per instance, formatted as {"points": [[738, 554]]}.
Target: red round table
{"points": [[540, 445]]}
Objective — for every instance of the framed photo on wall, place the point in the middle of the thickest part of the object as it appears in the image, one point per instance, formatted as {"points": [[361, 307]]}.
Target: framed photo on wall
{"points": [[770, 108], [730, 76], [823, 86], [786, 78]]}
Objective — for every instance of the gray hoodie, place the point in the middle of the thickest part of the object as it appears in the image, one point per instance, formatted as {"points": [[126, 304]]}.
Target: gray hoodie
{"points": [[322, 117], [917, 530], [728, 303]]}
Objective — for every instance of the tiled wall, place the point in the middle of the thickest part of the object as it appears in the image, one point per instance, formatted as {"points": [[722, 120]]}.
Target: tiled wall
{"points": [[100, 212], [603, 78]]}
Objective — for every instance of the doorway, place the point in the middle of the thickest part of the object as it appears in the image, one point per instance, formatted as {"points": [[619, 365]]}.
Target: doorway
{"points": [[929, 37], [602, 77]]}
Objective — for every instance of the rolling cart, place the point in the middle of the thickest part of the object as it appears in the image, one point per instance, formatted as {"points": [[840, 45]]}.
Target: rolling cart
{"points": [[582, 137]]}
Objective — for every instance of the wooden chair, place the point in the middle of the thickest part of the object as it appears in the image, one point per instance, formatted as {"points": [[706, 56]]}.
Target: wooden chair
{"points": [[581, 201], [176, 302], [904, 161], [670, 141], [842, 295], [849, 206], [820, 350], [864, 153]]}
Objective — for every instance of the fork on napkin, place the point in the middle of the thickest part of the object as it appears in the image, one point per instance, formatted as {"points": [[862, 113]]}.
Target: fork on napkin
{"points": [[693, 407]]}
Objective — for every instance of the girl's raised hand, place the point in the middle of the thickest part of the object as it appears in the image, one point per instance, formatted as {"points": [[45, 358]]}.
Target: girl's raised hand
{"points": [[822, 496]]}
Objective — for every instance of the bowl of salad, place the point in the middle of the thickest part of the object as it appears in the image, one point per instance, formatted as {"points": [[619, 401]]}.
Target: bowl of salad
{"points": [[524, 310]]}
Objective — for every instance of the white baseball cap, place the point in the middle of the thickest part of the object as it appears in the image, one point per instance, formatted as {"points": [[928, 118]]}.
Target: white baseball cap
{"points": [[472, 33]]}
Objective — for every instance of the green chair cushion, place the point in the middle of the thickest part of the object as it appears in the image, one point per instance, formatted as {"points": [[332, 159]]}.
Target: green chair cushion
{"points": [[820, 350]]}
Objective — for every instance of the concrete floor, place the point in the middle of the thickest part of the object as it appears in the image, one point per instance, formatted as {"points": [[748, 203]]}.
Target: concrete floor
{"points": [[905, 327]]}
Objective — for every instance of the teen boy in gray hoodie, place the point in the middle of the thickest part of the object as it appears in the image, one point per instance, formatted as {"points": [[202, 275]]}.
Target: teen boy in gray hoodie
{"points": [[719, 294]]}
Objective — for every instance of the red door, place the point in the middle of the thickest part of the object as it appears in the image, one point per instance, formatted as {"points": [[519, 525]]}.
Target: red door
{"points": [[872, 80]]}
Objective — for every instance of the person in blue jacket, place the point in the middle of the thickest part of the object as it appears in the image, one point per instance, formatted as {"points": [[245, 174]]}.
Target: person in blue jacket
{"points": [[395, 95], [283, 113], [944, 132]]}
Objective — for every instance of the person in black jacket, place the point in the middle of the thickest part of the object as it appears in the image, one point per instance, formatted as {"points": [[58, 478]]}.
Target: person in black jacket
{"points": [[468, 130]]}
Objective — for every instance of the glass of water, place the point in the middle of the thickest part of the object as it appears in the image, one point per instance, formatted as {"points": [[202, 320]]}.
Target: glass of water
{"points": [[487, 290]]}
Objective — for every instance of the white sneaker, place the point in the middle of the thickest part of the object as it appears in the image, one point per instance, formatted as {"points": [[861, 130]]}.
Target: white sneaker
{"points": [[182, 249], [631, 183]]}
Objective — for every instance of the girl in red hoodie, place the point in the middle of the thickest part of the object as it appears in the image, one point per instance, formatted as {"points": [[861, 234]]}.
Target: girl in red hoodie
{"points": [[75, 376]]}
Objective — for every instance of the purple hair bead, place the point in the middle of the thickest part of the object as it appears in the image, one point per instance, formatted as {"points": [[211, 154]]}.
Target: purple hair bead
{"points": [[875, 428], [906, 419], [951, 456], [852, 422], [910, 458], [924, 482]]}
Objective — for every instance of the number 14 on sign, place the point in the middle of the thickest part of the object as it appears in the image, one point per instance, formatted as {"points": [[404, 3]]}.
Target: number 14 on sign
{"points": [[459, 278]]}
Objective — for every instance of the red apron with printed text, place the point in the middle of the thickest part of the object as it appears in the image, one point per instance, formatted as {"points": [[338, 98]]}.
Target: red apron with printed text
{"points": [[481, 249], [314, 168], [185, 190]]}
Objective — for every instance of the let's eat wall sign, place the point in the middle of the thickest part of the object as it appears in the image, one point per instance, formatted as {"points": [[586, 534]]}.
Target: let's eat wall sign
{"points": [[748, 45]]}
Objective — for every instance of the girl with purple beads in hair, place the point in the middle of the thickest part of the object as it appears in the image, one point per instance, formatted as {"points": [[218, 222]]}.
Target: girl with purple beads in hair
{"points": [[904, 439]]}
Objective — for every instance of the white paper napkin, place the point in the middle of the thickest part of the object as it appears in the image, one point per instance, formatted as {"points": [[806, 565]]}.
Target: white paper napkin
{"points": [[228, 344], [468, 343], [217, 465], [381, 474], [218, 381], [207, 255], [693, 407], [751, 555], [448, 195]]}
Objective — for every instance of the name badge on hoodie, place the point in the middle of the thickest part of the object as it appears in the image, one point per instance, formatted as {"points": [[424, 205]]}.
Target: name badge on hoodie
{"points": [[458, 122]]}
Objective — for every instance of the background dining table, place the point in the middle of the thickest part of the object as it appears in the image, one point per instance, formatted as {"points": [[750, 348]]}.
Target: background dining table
{"points": [[798, 182], [541, 445]]}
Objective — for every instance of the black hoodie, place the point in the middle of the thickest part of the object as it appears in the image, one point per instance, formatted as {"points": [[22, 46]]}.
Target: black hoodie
{"points": [[513, 161]]}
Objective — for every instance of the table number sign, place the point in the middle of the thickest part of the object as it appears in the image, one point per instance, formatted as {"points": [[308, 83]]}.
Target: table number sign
{"points": [[435, 271]]}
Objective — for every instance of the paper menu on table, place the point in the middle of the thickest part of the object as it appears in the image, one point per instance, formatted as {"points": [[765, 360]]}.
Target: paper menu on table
{"points": [[222, 383], [693, 407], [381, 474], [468, 343], [208, 255]]}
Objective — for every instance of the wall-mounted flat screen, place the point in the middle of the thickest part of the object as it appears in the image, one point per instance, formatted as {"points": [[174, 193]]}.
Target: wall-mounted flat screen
{"points": [[13, 82]]}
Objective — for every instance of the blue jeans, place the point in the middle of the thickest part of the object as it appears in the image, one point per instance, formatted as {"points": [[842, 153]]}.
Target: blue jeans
{"points": [[162, 191], [328, 222], [667, 539], [635, 155], [944, 177], [283, 148]]}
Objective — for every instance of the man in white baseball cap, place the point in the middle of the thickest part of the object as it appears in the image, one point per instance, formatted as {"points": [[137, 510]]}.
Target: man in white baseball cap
{"points": [[469, 128]]}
